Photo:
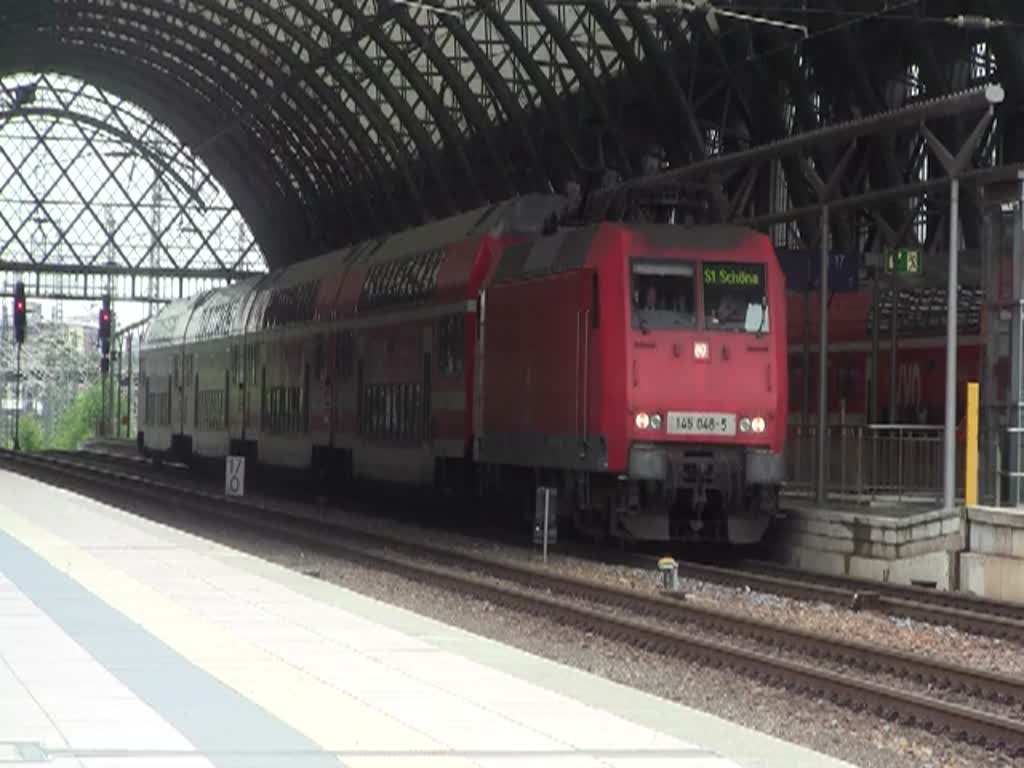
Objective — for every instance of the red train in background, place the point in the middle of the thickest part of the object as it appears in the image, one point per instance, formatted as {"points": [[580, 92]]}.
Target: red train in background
{"points": [[639, 369], [920, 355]]}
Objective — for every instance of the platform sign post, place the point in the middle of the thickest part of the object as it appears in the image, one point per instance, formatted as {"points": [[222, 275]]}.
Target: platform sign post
{"points": [[234, 476], [545, 519]]}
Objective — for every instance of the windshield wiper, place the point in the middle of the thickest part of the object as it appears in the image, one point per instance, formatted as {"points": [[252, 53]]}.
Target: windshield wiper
{"points": [[764, 315]]}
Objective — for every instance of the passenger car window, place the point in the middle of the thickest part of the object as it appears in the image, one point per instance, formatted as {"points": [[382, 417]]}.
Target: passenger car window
{"points": [[663, 295], [735, 297]]}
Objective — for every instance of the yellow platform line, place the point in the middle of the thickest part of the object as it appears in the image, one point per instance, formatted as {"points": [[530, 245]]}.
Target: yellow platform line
{"points": [[327, 716]]}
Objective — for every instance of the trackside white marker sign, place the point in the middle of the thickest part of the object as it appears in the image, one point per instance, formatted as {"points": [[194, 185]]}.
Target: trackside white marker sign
{"points": [[234, 476]]}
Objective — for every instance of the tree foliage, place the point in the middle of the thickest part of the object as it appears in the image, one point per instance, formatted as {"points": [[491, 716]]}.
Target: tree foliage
{"points": [[30, 433], [73, 426], [78, 423]]}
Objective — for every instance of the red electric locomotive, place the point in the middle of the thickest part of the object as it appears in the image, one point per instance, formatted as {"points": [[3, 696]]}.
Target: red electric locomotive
{"points": [[638, 368]]}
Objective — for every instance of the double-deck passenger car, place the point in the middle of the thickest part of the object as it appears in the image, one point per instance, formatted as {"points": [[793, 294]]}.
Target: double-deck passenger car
{"points": [[638, 368]]}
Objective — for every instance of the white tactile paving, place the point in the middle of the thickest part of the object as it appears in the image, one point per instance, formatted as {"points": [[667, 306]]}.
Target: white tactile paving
{"points": [[54, 694]]}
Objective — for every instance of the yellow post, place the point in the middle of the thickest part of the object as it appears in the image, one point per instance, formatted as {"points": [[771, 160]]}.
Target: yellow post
{"points": [[971, 447]]}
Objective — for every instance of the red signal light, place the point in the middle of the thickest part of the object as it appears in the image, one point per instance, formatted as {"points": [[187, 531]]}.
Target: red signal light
{"points": [[105, 316], [20, 306]]}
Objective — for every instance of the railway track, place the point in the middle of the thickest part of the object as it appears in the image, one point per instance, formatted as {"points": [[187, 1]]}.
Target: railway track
{"points": [[967, 613], [660, 623]]}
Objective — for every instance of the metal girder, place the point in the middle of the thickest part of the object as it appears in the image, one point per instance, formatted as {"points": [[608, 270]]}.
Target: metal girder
{"points": [[372, 112], [71, 116], [300, 169], [139, 272], [327, 144], [502, 94], [70, 211], [563, 163], [192, 77], [667, 76], [879, 124], [824, 185], [584, 75], [305, 73], [233, 164], [868, 92], [337, 120], [164, 41], [450, 133], [467, 101]]}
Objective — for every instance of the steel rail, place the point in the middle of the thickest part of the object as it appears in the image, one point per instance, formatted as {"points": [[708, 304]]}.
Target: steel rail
{"points": [[966, 612], [313, 529]]}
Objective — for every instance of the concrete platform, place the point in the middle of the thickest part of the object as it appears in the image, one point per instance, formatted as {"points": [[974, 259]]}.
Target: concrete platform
{"points": [[124, 643], [891, 542], [993, 565]]}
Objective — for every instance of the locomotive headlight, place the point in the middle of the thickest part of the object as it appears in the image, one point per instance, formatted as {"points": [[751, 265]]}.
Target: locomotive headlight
{"points": [[656, 421], [642, 420], [757, 424], [745, 424], [701, 351]]}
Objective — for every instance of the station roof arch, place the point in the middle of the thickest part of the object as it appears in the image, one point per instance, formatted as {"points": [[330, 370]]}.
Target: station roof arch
{"points": [[332, 121]]}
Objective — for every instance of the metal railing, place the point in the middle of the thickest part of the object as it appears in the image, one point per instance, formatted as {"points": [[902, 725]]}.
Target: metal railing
{"points": [[866, 462], [1008, 488]]}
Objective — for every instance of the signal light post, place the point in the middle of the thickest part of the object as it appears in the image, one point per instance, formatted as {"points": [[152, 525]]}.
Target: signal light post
{"points": [[104, 339], [20, 325]]}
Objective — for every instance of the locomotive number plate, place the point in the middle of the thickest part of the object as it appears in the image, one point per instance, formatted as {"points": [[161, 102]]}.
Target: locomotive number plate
{"points": [[695, 423]]}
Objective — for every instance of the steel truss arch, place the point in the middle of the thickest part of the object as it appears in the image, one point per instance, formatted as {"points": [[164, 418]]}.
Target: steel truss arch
{"points": [[172, 48], [337, 120], [98, 195], [196, 86]]}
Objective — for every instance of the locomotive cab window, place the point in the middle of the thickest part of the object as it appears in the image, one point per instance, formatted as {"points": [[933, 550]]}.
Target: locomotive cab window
{"points": [[663, 295], [735, 297]]}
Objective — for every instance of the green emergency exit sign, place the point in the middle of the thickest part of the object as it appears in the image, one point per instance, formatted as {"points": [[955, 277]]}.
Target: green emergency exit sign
{"points": [[904, 261]]}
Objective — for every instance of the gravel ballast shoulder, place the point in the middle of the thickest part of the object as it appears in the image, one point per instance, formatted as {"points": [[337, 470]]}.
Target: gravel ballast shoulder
{"points": [[1001, 656]]}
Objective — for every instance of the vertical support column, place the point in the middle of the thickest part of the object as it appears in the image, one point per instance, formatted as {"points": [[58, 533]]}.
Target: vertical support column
{"points": [[805, 401], [894, 302], [117, 399], [955, 165], [101, 427], [822, 475], [17, 402], [1012, 463], [988, 422], [131, 394], [876, 317], [949, 436]]}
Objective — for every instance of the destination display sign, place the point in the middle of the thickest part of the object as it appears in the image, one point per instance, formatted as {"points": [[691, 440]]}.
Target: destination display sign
{"points": [[733, 274]]}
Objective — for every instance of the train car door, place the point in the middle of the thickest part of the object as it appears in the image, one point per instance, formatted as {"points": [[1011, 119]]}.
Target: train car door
{"points": [[178, 394], [478, 370], [304, 407], [194, 393], [587, 320], [263, 398], [428, 409], [227, 403]]}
